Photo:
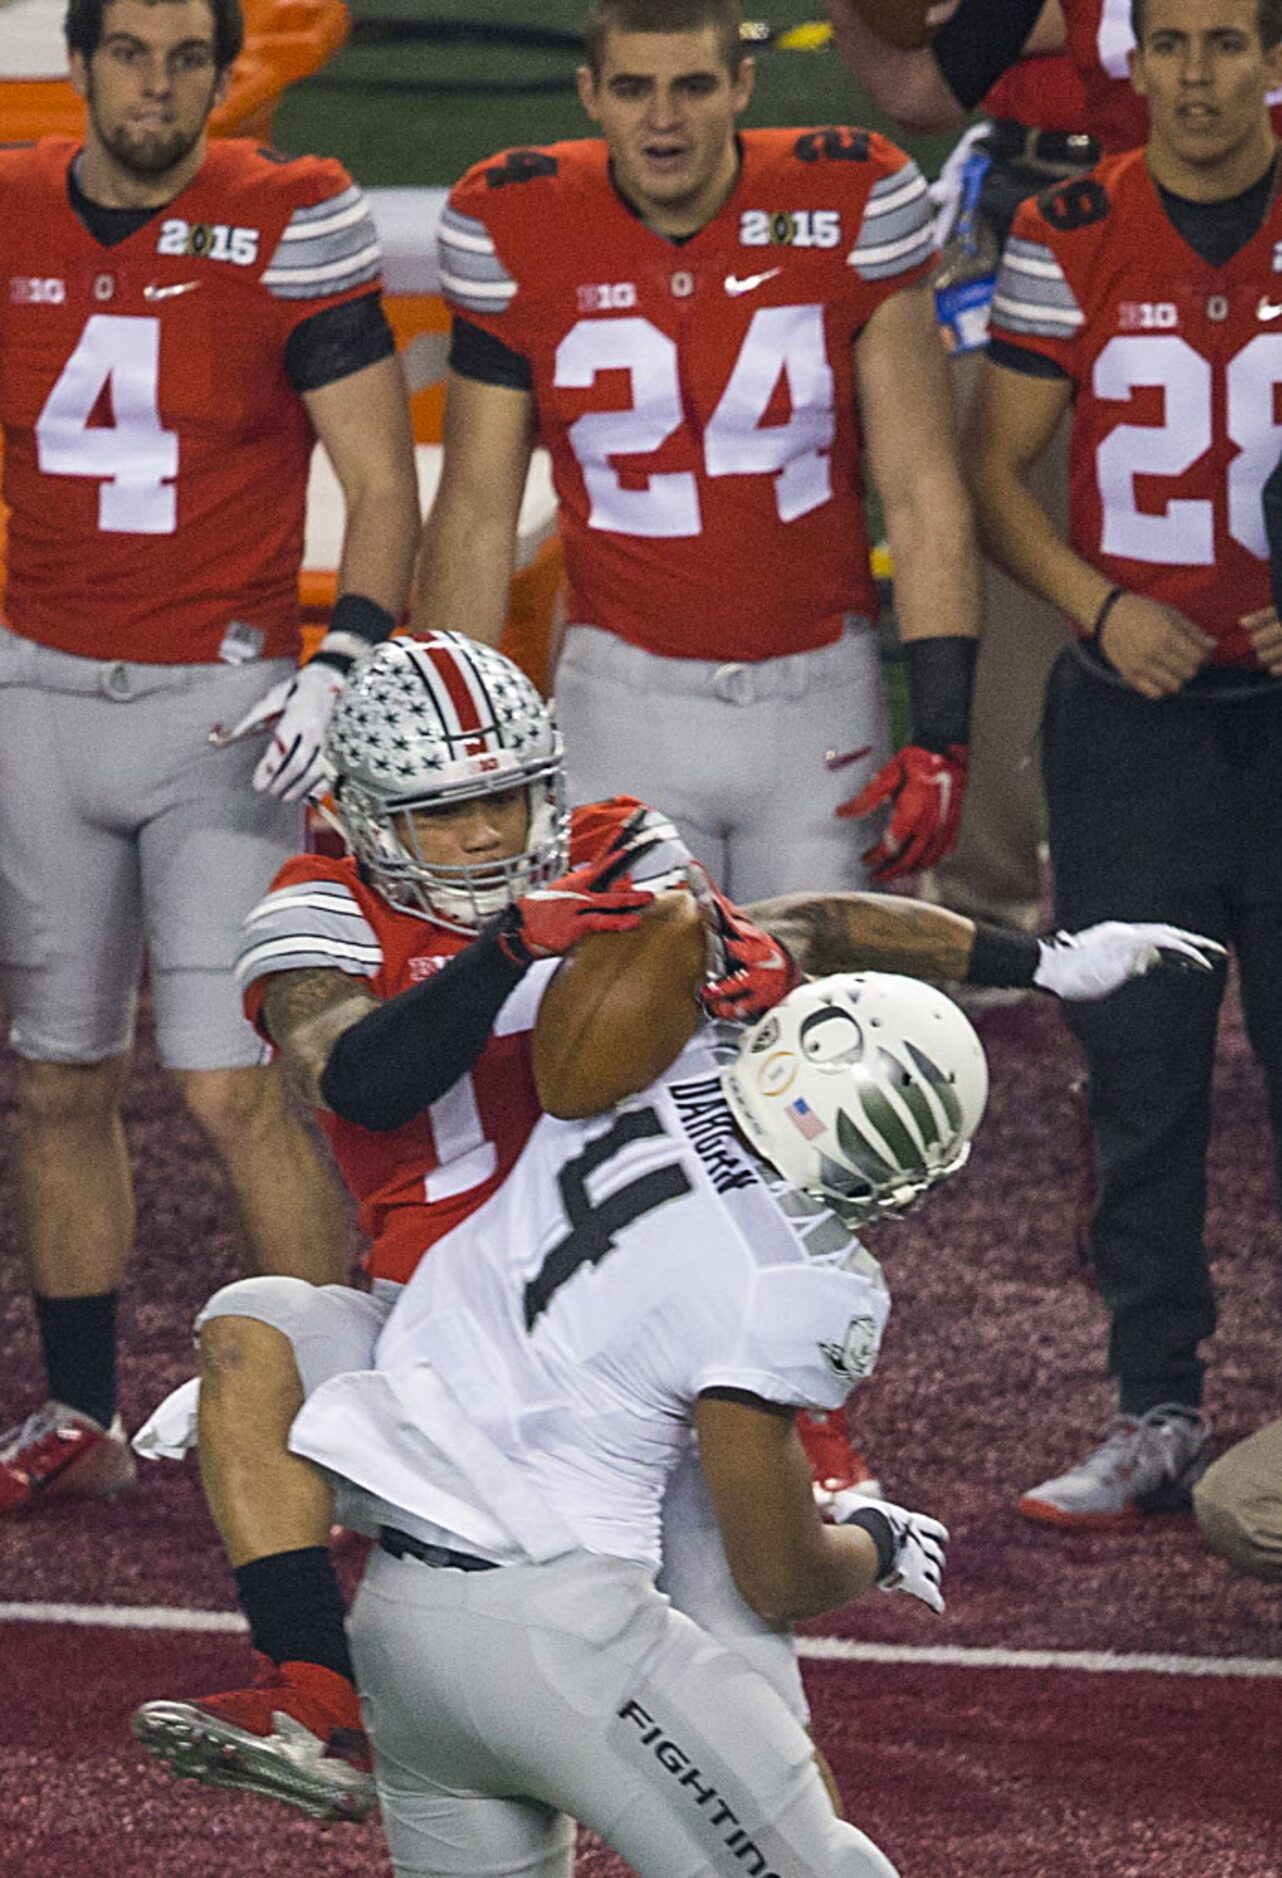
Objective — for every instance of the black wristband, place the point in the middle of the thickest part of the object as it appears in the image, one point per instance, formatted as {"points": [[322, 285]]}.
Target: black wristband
{"points": [[1002, 958], [1106, 606], [396, 1061], [882, 1534], [341, 661], [369, 621], [941, 677]]}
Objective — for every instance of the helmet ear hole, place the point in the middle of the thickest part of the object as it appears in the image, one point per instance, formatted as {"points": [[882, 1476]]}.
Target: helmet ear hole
{"points": [[422, 723], [867, 1127]]}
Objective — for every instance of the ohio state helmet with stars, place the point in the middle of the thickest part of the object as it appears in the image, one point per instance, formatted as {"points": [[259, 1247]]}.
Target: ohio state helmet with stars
{"points": [[425, 722]]}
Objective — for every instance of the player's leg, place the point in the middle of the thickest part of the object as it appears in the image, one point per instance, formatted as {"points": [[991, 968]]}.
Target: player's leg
{"points": [[1133, 836], [1238, 1503], [816, 730], [631, 1720], [208, 853], [265, 1344], [69, 955], [637, 725]]}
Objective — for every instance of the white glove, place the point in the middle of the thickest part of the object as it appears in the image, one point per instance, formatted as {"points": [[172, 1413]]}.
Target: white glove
{"points": [[1100, 959], [296, 712], [917, 1563]]}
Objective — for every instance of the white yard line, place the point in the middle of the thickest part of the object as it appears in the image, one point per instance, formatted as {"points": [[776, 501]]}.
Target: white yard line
{"points": [[820, 1649]]}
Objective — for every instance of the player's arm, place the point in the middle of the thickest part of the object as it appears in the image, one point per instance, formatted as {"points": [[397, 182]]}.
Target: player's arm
{"points": [[786, 1563], [304, 1014], [935, 86], [874, 932], [1011, 421], [363, 420], [469, 540]]}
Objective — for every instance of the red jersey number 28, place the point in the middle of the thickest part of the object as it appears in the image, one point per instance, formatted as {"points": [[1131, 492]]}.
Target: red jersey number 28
{"points": [[134, 458]]}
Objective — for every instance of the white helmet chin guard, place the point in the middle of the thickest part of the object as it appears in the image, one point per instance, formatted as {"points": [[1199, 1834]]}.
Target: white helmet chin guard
{"points": [[863, 1089], [424, 722]]}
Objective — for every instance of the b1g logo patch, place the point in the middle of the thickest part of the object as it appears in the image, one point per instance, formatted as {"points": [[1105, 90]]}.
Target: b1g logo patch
{"points": [[31, 290], [208, 241], [790, 228], [609, 297], [854, 1357], [1148, 316]]}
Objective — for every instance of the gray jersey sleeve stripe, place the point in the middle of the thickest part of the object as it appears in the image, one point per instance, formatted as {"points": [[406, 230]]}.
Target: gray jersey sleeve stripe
{"points": [[463, 225], [306, 951], [479, 296], [319, 210], [896, 233], [460, 266], [905, 186], [1043, 322], [313, 283], [330, 898], [464, 241], [329, 224]]}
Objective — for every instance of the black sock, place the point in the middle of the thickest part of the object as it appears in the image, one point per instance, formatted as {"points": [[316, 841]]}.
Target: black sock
{"points": [[295, 1608], [78, 1336]]}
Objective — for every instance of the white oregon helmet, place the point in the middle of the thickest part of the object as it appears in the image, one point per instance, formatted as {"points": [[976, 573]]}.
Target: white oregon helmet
{"points": [[863, 1089], [421, 722]]}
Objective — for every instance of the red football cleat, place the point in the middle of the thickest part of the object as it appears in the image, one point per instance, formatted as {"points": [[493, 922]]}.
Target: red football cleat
{"points": [[293, 1735], [58, 1453], [835, 1465]]}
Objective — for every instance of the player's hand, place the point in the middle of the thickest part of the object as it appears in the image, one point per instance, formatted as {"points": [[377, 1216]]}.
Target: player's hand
{"points": [[1264, 630], [548, 921], [296, 712], [1153, 647], [1100, 959], [748, 970], [925, 792], [917, 1545]]}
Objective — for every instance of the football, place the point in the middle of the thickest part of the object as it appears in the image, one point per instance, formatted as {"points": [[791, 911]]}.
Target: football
{"points": [[903, 23], [620, 1009]]}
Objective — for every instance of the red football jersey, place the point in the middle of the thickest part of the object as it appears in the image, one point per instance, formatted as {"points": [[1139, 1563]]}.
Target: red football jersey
{"points": [[416, 1183], [156, 456], [1176, 370], [1045, 92], [1101, 41], [698, 398]]}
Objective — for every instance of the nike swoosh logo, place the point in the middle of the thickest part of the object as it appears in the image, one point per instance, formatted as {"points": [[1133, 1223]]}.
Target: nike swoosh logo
{"points": [[736, 286], [154, 292], [1267, 310]]}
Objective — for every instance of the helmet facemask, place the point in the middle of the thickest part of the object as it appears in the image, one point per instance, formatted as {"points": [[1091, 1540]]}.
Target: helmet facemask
{"points": [[422, 724], [863, 1089]]}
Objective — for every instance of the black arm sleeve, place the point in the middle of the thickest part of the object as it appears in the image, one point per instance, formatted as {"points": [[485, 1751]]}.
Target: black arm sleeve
{"points": [[337, 342], [474, 353], [405, 1055], [1024, 359], [980, 42]]}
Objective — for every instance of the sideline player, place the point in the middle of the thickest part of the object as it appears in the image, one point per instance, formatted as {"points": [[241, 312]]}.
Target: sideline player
{"points": [[1144, 296], [725, 323], [181, 320], [409, 1030], [683, 1264]]}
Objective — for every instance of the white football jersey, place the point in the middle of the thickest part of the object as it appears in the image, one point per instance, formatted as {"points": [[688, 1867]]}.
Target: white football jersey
{"points": [[536, 1380]]}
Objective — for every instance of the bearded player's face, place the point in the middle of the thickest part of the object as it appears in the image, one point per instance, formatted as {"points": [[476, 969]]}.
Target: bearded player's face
{"points": [[667, 104], [151, 82]]}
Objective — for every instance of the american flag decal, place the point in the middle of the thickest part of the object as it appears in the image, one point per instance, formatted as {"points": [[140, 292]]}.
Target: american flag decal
{"points": [[804, 1119]]}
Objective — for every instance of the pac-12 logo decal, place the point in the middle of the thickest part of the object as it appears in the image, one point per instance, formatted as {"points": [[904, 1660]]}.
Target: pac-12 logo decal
{"points": [[213, 241], [854, 1357], [790, 228]]}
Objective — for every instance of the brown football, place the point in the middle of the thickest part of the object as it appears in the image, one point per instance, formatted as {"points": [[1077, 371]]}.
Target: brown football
{"points": [[902, 23], [620, 1009]]}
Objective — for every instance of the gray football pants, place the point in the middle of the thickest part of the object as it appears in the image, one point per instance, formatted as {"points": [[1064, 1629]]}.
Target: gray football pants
{"points": [[332, 1328], [504, 1705]]}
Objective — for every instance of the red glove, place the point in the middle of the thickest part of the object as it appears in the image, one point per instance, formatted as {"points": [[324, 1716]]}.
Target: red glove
{"points": [[925, 791], [549, 920], [751, 971]]}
